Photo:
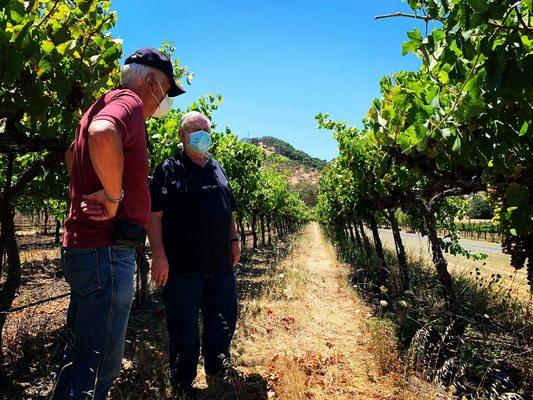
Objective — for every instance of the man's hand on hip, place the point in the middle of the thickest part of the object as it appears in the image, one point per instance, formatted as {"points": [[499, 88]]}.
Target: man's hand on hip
{"points": [[98, 206], [160, 269]]}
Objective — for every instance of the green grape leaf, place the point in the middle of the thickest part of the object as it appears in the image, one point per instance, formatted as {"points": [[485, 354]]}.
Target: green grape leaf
{"points": [[457, 144], [112, 53], [479, 6], [524, 128], [47, 46]]}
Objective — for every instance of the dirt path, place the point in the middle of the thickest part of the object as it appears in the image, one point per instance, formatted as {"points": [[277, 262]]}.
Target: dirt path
{"points": [[311, 336], [302, 334]]}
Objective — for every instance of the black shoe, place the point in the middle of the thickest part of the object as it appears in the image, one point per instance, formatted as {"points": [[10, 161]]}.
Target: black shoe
{"points": [[228, 379], [183, 392]]}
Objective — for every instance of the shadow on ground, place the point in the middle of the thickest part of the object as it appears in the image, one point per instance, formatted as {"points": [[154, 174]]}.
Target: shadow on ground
{"points": [[145, 368], [35, 351]]}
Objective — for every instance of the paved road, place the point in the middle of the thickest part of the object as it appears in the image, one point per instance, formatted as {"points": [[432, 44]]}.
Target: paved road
{"points": [[479, 247]]}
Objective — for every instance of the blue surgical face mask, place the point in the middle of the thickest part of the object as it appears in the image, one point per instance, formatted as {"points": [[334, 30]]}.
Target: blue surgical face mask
{"points": [[200, 141]]}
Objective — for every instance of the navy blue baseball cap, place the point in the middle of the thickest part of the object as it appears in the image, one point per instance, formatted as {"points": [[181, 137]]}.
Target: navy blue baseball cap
{"points": [[157, 59]]}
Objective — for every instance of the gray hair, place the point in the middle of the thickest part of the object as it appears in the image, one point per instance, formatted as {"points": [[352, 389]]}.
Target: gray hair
{"points": [[134, 74], [194, 118]]}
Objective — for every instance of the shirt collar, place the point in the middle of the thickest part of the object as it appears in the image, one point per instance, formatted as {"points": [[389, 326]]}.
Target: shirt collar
{"points": [[186, 159]]}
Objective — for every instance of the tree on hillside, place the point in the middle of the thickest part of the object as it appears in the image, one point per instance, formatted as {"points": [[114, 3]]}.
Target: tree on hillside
{"points": [[479, 208], [285, 149]]}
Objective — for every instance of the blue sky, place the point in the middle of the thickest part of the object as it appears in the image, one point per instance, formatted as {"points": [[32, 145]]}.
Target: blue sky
{"points": [[277, 63]]}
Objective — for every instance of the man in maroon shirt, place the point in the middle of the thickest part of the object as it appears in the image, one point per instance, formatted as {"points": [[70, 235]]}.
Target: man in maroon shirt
{"points": [[109, 212]]}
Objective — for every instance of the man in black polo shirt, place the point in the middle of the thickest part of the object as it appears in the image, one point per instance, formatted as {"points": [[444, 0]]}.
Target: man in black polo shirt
{"points": [[195, 246]]}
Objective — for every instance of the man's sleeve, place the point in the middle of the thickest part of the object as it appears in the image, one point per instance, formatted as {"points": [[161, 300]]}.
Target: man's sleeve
{"points": [[76, 135], [232, 201], [159, 189], [121, 110]]}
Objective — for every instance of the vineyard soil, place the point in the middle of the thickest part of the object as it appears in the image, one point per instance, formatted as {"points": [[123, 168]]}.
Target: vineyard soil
{"points": [[303, 333], [314, 338]]}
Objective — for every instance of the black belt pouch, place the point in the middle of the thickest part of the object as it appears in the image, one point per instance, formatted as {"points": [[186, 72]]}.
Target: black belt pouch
{"points": [[128, 234]]}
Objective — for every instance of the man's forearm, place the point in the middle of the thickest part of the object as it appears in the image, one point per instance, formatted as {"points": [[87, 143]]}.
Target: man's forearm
{"points": [[234, 232], [105, 148], [155, 235]]}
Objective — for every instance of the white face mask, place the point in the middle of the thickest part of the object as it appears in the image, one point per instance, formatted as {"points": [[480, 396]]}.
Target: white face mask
{"points": [[164, 106]]}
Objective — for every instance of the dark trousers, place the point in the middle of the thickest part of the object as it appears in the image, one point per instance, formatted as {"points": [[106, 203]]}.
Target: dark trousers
{"points": [[185, 295]]}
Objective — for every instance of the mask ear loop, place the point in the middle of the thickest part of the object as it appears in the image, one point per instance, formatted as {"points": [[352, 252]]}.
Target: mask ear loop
{"points": [[162, 91], [161, 88]]}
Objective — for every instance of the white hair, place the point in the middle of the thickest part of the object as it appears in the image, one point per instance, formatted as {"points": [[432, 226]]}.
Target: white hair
{"points": [[134, 74], [194, 118]]}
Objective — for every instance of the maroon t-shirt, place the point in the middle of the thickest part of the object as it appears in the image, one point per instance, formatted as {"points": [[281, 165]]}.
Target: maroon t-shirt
{"points": [[125, 109]]}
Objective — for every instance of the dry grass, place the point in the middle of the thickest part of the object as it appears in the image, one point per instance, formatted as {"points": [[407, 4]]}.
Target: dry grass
{"points": [[288, 379], [382, 342], [316, 339], [492, 354], [302, 334], [32, 336], [494, 266]]}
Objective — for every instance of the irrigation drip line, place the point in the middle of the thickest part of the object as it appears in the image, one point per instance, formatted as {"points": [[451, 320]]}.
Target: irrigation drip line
{"points": [[36, 303]]}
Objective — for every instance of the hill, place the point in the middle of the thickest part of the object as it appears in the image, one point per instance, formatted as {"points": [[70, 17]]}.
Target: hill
{"points": [[285, 149], [302, 170]]}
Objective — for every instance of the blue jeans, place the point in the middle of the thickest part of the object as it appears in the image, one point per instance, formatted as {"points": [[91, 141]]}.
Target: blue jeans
{"points": [[185, 295], [101, 283]]}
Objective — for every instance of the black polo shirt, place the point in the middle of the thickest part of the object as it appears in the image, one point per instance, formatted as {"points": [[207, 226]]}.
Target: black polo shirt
{"points": [[197, 203]]}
